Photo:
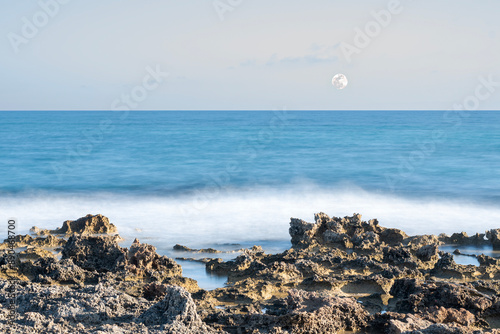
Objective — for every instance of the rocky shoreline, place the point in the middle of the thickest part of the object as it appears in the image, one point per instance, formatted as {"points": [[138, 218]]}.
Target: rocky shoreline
{"points": [[341, 274]]}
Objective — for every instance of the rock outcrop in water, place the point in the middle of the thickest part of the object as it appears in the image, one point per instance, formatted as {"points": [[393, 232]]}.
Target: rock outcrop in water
{"points": [[340, 274], [89, 224], [494, 237]]}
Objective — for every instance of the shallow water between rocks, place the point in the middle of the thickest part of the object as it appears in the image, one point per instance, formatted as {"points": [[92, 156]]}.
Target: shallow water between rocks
{"points": [[467, 250], [209, 281], [196, 270]]}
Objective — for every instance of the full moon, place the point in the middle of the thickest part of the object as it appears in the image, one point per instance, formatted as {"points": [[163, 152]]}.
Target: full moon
{"points": [[339, 81]]}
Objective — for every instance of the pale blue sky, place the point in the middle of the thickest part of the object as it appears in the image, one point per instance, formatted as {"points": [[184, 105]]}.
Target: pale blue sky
{"points": [[264, 54]]}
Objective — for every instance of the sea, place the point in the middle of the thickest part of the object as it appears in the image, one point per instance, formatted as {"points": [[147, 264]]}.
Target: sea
{"points": [[233, 179]]}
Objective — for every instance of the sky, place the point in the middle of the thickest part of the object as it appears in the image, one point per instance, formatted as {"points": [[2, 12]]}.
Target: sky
{"points": [[249, 54]]}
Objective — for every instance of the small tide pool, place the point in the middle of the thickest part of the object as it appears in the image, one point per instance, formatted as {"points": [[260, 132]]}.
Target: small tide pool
{"points": [[468, 253]]}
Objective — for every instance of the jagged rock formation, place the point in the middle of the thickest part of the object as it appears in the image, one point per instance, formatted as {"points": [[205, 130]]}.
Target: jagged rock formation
{"points": [[27, 240], [341, 274], [363, 260], [99, 309], [494, 237], [89, 224]]}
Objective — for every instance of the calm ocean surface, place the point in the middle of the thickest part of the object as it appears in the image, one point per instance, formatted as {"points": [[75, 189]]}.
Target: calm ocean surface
{"points": [[210, 178], [168, 153]]}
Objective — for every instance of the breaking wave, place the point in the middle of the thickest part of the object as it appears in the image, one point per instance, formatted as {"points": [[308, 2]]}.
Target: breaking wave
{"points": [[208, 217]]}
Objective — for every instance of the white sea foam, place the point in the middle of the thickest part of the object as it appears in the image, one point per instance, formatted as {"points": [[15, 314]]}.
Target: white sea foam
{"points": [[236, 216]]}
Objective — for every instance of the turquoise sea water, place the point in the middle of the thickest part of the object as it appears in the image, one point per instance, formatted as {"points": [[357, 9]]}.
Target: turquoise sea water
{"points": [[168, 153], [204, 178]]}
